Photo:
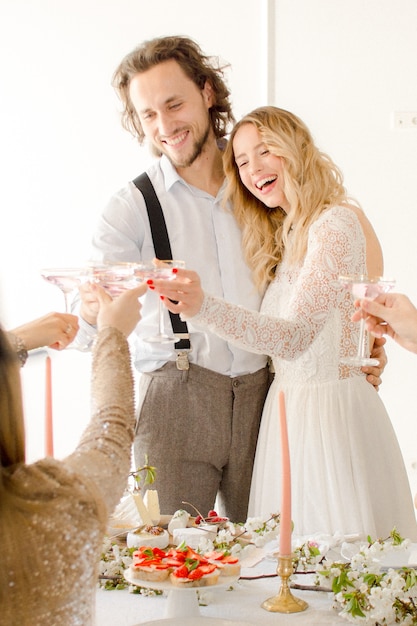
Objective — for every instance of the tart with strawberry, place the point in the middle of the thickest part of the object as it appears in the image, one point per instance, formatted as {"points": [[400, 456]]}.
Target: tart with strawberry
{"points": [[183, 566], [228, 564], [195, 570], [150, 564]]}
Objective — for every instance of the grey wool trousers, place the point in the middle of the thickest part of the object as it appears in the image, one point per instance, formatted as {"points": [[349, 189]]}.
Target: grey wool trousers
{"points": [[199, 429]]}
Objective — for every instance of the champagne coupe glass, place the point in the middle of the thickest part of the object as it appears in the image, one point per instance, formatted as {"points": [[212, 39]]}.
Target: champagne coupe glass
{"points": [[66, 278], [163, 270], [364, 287], [114, 277]]}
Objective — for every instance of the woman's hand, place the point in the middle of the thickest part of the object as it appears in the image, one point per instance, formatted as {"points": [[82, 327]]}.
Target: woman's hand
{"points": [[182, 295], [391, 314], [123, 312], [55, 330]]}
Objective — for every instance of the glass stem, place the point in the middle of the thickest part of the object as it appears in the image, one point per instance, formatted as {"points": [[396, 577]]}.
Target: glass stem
{"points": [[361, 345], [67, 302], [161, 318]]}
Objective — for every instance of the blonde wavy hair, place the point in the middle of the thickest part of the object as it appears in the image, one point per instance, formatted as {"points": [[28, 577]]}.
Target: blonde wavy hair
{"points": [[312, 184]]}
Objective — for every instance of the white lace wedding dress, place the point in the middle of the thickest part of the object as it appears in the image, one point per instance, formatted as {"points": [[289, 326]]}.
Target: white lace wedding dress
{"points": [[347, 470]]}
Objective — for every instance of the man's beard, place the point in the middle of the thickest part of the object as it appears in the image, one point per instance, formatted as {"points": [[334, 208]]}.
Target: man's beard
{"points": [[197, 150]]}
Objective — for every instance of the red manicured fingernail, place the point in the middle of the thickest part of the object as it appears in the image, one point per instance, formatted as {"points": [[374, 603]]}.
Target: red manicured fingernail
{"points": [[162, 297], [151, 286], [149, 282], [174, 270]]}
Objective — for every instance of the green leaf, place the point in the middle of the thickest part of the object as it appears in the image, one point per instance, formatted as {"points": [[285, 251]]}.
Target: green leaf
{"points": [[354, 604], [150, 473], [396, 537], [191, 564]]}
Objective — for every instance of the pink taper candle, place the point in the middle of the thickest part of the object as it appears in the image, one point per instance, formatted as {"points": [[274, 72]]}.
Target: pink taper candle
{"points": [[285, 522], [49, 434]]}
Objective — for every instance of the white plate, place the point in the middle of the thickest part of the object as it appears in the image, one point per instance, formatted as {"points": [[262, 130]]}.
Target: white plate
{"points": [[398, 557], [194, 621]]}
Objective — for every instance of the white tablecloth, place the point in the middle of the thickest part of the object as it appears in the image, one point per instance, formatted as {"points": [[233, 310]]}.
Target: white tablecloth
{"points": [[242, 605]]}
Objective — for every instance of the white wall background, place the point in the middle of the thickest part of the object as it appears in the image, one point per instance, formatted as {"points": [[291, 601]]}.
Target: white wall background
{"points": [[343, 66]]}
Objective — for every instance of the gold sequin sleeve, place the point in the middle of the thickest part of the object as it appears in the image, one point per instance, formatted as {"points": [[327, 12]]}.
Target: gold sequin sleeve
{"points": [[104, 452]]}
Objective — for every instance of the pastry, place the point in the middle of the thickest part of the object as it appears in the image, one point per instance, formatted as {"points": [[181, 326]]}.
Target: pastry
{"points": [[148, 564], [228, 564], [151, 536]]}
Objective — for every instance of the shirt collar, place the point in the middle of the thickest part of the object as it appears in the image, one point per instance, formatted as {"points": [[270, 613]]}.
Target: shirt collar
{"points": [[171, 176]]}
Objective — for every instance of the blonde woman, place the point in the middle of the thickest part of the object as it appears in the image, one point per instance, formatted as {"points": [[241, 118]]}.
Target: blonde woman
{"points": [[53, 513], [300, 232]]}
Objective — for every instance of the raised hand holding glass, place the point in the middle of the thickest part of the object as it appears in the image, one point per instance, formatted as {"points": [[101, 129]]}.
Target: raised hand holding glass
{"points": [[364, 287], [160, 269]]}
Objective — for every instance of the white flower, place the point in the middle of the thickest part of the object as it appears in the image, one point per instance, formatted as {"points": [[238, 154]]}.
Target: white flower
{"points": [[254, 523], [205, 545]]}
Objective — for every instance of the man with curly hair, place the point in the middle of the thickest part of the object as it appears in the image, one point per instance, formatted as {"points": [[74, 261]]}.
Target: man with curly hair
{"points": [[199, 408]]}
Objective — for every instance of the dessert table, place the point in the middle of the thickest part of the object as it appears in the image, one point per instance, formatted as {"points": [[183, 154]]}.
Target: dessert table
{"points": [[240, 605]]}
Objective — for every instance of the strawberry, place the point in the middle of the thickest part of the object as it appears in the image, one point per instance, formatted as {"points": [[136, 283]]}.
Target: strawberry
{"points": [[207, 569], [212, 514], [201, 571], [181, 572], [173, 562], [214, 555], [230, 559], [221, 556], [195, 574], [192, 554]]}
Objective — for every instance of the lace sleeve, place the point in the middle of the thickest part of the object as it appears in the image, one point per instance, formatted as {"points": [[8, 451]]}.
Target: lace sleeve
{"points": [[103, 454], [336, 246]]}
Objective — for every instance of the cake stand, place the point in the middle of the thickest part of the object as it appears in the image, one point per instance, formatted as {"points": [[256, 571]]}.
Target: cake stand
{"points": [[182, 604]]}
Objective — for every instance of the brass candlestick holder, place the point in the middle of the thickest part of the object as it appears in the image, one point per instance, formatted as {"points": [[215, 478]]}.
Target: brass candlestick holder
{"points": [[284, 602]]}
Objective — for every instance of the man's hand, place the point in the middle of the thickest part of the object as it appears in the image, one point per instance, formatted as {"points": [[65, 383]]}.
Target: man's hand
{"points": [[90, 304]]}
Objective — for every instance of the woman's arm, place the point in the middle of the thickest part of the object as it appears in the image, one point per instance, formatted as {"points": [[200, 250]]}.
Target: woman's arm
{"points": [[55, 330], [335, 239], [103, 454]]}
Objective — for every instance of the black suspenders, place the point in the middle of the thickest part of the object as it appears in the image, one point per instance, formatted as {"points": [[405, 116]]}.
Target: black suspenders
{"points": [[162, 248]]}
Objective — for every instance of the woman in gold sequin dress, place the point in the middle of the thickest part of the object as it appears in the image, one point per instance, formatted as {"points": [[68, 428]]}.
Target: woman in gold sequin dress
{"points": [[53, 513]]}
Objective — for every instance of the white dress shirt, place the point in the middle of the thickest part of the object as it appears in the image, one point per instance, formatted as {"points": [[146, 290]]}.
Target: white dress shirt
{"points": [[202, 233]]}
